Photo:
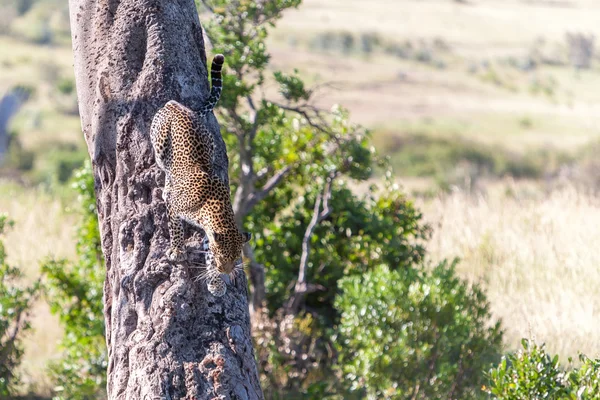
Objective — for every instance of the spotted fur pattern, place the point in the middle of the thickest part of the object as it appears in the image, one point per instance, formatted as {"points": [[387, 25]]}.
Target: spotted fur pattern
{"points": [[184, 148]]}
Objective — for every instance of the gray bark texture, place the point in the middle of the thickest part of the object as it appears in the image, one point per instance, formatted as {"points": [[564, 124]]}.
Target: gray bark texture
{"points": [[167, 336]]}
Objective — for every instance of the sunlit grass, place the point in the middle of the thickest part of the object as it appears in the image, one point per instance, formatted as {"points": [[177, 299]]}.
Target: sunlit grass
{"points": [[537, 255], [479, 26], [514, 130], [39, 121], [42, 228]]}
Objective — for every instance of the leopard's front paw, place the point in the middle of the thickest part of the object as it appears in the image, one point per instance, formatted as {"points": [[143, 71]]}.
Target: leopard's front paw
{"points": [[175, 254], [216, 286]]}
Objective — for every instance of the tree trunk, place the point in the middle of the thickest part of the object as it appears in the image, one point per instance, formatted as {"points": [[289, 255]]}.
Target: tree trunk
{"points": [[167, 336]]}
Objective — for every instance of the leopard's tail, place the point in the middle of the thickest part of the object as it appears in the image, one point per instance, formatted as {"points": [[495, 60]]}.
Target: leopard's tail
{"points": [[216, 84]]}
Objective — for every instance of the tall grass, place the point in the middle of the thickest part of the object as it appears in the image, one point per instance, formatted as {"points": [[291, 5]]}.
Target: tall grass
{"points": [[43, 227], [538, 254]]}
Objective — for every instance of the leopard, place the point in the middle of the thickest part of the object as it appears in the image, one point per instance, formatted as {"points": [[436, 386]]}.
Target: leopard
{"points": [[184, 149]]}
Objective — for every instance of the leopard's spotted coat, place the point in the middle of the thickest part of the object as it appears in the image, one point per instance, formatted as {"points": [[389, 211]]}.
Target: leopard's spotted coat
{"points": [[184, 149]]}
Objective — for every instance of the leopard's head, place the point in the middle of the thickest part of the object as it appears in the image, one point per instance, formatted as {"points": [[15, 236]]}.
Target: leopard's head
{"points": [[227, 249]]}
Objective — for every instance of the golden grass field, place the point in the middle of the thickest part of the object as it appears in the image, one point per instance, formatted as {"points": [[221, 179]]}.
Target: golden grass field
{"points": [[534, 249], [537, 256], [43, 228], [387, 92]]}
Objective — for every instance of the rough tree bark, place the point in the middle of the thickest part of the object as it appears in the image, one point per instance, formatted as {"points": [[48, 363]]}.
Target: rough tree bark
{"points": [[167, 337]]}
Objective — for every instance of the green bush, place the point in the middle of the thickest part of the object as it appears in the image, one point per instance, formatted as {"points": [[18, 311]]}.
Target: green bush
{"points": [[40, 21], [67, 163], [532, 373], [58, 164], [15, 304], [66, 85], [414, 334], [18, 157], [74, 292], [417, 154], [445, 158], [361, 234]]}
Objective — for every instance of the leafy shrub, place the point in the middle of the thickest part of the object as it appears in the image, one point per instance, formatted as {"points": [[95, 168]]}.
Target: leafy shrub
{"points": [[361, 234], [585, 380], [65, 97], [414, 334], [59, 163], [369, 41], [75, 295], [18, 157], [67, 163], [15, 303], [66, 85], [428, 154], [295, 354], [532, 373]]}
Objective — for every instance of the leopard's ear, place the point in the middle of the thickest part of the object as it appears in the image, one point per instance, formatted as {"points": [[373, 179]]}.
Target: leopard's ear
{"points": [[246, 236]]}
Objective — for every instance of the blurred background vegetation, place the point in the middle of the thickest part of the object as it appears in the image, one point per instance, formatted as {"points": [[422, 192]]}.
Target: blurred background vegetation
{"points": [[481, 144]]}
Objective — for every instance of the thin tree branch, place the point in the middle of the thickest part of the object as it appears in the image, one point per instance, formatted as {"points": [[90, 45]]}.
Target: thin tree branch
{"points": [[254, 129], [246, 186], [251, 103], [257, 278], [302, 287], [271, 184], [309, 113], [208, 6], [241, 130]]}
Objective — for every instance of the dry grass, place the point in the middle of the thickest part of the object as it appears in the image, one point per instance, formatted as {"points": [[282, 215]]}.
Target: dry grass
{"points": [[42, 228], [384, 91], [537, 255], [39, 67], [404, 94], [495, 26]]}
